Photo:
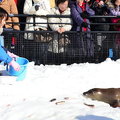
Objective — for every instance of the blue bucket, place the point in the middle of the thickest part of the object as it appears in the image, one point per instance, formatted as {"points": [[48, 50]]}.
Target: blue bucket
{"points": [[23, 62]]}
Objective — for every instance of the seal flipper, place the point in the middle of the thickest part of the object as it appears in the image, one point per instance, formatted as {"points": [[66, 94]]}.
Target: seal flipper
{"points": [[115, 103]]}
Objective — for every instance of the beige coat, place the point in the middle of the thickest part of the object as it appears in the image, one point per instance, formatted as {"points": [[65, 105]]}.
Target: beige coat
{"points": [[10, 7]]}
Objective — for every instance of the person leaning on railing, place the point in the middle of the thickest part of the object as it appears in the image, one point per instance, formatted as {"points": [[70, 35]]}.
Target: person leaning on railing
{"points": [[5, 55], [80, 12], [114, 8], [36, 7], [59, 41], [100, 7], [11, 8]]}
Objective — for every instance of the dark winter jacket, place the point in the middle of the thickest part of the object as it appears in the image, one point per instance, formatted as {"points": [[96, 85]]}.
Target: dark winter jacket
{"points": [[77, 18], [83, 43], [103, 10]]}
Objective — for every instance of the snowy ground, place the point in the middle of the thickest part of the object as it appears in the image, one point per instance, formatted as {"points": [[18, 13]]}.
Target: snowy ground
{"points": [[30, 99]]}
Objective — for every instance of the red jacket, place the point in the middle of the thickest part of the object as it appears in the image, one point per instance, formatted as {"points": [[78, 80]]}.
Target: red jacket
{"points": [[116, 20], [83, 7]]}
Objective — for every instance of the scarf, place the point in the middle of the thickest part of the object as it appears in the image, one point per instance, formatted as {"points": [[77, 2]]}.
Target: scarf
{"points": [[83, 7]]}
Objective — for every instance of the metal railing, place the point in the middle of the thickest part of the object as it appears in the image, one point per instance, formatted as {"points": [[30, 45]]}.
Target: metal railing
{"points": [[103, 44]]}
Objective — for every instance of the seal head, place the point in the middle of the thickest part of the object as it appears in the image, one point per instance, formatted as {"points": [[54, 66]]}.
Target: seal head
{"points": [[110, 95]]}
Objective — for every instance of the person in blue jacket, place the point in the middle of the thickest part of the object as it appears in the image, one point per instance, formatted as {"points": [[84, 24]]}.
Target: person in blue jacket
{"points": [[5, 55]]}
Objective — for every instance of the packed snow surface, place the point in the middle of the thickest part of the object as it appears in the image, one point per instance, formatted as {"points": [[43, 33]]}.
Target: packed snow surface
{"points": [[53, 92]]}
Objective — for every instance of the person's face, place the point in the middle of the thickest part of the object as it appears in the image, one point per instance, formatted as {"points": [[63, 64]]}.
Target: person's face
{"points": [[118, 1], [63, 6], [80, 1], [87, 0], [2, 21]]}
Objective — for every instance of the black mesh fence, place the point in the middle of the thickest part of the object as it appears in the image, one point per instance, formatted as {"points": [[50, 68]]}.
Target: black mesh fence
{"points": [[49, 47]]}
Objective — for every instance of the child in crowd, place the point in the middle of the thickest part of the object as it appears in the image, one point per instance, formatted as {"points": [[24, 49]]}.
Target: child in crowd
{"points": [[5, 55]]}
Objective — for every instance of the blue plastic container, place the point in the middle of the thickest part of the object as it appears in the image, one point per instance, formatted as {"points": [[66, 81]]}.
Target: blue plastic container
{"points": [[110, 53], [23, 62]]}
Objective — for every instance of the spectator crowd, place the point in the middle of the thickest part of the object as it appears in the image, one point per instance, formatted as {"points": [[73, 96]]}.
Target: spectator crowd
{"points": [[79, 12]]}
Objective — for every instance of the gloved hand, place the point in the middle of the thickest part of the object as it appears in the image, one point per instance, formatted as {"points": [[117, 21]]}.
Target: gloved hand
{"points": [[95, 4], [84, 14], [12, 55], [15, 65], [84, 24], [37, 7]]}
